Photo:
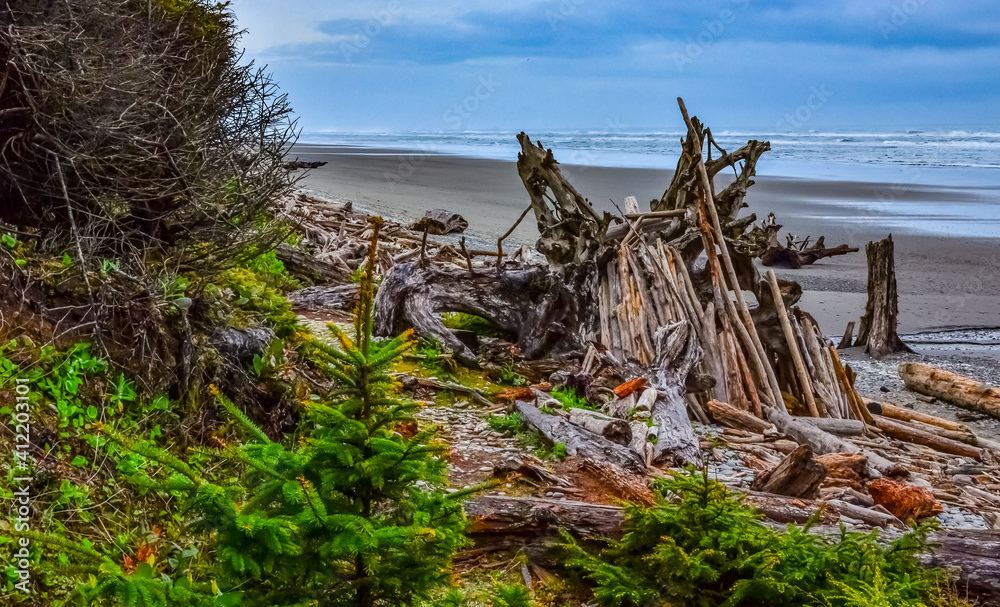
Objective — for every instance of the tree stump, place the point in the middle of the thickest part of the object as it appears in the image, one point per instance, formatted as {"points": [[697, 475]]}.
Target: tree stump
{"points": [[878, 325], [798, 475]]}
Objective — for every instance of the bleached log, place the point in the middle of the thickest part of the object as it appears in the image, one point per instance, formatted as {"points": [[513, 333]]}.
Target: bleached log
{"points": [[951, 387]]}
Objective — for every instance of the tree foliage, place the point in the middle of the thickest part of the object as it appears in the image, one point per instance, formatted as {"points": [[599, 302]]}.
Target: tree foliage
{"points": [[351, 513], [130, 130], [702, 547]]}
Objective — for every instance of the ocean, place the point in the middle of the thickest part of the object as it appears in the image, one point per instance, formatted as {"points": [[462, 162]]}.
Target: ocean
{"points": [[944, 157]]}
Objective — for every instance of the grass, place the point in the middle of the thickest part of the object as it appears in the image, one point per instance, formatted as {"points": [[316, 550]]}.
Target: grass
{"points": [[571, 399], [460, 321], [512, 423]]}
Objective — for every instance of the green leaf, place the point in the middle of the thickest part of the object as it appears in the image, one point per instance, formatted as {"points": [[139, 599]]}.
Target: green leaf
{"points": [[9, 240], [67, 260], [79, 461], [20, 262], [92, 412]]}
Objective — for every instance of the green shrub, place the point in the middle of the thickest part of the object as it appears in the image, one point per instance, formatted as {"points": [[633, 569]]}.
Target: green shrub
{"points": [[512, 423], [700, 546], [460, 321], [571, 399], [351, 513]]}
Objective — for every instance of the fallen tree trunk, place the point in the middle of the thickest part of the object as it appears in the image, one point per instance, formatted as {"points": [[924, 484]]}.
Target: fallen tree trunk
{"points": [[581, 443], [951, 387], [878, 325], [911, 434], [319, 298], [615, 430]]}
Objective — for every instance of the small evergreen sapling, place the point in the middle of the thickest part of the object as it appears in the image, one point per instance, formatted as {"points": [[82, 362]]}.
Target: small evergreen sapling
{"points": [[352, 515]]}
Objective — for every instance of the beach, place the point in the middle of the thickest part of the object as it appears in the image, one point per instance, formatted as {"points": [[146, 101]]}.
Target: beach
{"points": [[947, 263]]}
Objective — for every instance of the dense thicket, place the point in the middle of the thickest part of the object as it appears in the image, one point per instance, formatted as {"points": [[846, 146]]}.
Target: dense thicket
{"points": [[130, 130]]}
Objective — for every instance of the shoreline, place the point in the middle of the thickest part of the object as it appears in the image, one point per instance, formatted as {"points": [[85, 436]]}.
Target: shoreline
{"points": [[948, 270]]}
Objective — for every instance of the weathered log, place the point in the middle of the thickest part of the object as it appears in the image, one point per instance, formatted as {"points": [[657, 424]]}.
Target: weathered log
{"points": [[731, 417], [837, 427], [341, 297], [303, 265], [531, 303], [580, 442], [904, 414], [793, 346], [848, 339], [614, 429], [677, 353], [951, 387], [791, 255], [240, 345], [911, 434], [878, 325], [798, 475], [297, 164], [440, 222]]}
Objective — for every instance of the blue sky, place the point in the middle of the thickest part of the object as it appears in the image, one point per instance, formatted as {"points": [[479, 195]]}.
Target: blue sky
{"points": [[586, 64]]}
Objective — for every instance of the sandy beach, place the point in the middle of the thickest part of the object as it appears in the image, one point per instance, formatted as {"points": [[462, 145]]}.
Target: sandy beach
{"points": [[948, 268]]}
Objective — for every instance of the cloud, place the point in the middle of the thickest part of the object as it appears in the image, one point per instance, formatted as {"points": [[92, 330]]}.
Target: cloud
{"points": [[572, 59]]}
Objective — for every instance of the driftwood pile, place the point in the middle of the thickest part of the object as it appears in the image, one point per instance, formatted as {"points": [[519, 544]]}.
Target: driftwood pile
{"points": [[668, 308]]}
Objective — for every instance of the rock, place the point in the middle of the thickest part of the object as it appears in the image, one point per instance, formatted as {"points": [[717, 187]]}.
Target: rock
{"points": [[904, 501]]}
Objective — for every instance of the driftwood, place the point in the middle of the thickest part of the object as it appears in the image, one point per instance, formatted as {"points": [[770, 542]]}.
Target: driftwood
{"points": [[837, 427], [878, 325], [904, 414], [580, 442], [912, 434], [240, 345], [798, 475], [533, 524], [440, 222], [731, 417], [341, 297], [793, 255], [530, 303], [306, 266], [951, 387], [614, 429], [297, 164]]}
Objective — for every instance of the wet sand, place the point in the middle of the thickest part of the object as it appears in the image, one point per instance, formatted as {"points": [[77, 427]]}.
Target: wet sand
{"points": [[947, 238]]}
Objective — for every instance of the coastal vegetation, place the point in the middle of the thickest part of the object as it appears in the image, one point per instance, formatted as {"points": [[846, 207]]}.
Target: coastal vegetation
{"points": [[182, 436]]}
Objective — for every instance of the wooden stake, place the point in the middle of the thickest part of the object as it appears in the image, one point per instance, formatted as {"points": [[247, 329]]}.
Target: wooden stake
{"points": [[793, 346], [757, 351]]}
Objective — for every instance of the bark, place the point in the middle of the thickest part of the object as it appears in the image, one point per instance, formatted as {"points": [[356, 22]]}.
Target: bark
{"points": [[878, 325], [951, 387], [533, 304]]}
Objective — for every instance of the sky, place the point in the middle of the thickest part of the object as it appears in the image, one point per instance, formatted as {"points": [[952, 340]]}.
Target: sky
{"points": [[790, 65]]}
